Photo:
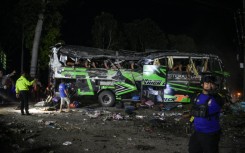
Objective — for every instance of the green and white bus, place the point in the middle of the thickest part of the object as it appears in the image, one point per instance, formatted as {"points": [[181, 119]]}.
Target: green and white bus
{"points": [[115, 76]]}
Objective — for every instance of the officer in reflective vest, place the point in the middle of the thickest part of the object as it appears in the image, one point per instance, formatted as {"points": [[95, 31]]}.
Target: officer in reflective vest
{"points": [[22, 92]]}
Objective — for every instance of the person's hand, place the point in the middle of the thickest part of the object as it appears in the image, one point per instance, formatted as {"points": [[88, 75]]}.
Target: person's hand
{"points": [[17, 95], [14, 72]]}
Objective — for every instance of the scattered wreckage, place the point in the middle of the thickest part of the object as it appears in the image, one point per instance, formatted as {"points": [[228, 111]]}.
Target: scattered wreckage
{"points": [[117, 76]]}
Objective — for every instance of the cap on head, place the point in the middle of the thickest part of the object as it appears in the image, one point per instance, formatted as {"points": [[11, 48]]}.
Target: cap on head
{"points": [[208, 79]]}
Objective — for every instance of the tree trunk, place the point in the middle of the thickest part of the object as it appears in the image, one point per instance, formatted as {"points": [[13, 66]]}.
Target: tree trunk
{"points": [[35, 46], [22, 50]]}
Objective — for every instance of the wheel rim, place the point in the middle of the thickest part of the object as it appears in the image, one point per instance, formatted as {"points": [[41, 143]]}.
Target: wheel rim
{"points": [[106, 99]]}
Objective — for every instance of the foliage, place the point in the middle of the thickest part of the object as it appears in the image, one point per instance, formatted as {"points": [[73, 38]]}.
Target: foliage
{"points": [[145, 34], [51, 31], [49, 39], [138, 35], [27, 16], [105, 31]]}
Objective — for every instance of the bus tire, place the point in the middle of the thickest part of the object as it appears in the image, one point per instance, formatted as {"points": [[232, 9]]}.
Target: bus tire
{"points": [[106, 98]]}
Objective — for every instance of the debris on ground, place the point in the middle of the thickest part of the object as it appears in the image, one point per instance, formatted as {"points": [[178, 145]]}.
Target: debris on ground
{"points": [[94, 128]]}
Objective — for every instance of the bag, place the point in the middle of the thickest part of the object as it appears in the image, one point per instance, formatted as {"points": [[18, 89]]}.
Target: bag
{"points": [[200, 110]]}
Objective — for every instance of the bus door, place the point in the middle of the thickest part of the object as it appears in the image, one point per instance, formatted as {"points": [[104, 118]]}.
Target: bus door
{"points": [[153, 82], [84, 86]]}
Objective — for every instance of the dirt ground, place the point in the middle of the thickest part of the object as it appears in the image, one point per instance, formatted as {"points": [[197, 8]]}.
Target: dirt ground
{"points": [[97, 129]]}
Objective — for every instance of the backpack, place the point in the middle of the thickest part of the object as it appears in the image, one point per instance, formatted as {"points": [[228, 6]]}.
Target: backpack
{"points": [[200, 110]]}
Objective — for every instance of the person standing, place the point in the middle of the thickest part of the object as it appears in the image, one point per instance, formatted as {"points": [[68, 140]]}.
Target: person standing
{"points": [[64, 96], [37, 86], [22, 92], [3, 87], [205, 114]]}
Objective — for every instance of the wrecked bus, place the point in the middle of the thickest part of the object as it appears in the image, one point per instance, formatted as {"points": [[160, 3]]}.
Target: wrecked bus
{"points": [[116, 76]]}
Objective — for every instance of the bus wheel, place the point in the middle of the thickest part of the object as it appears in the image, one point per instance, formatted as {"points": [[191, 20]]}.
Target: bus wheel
{"points": [[106, 98]]}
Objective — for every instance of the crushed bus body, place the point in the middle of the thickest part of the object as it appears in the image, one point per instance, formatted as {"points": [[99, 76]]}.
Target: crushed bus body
{"points": [[115, 76]]}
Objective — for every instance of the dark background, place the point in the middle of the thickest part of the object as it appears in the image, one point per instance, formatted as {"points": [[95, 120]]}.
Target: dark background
{"points": [[210, 23], [204, 20]]}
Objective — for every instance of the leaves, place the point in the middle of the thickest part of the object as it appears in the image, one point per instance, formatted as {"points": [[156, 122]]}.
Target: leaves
{"points": [[105, 31], [145, 34], [138, 35]]}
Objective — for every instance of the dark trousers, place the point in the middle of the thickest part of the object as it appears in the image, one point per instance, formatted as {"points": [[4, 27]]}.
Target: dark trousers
{"points": [[1, 94], [204, 142], [24, 103]]}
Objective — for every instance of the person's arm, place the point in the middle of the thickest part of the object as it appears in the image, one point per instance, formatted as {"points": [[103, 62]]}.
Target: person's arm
{"points": [[106, 64], [17, 90], [9, 75], [86, 64], [40, 84], [219, 99], [70, 63], [66, 92], [28, 82], [93, 64], [132, 65]]}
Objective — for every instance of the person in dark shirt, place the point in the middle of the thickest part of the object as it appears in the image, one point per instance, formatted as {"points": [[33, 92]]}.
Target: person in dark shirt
{"points": [[3, 84], [207, 130]]}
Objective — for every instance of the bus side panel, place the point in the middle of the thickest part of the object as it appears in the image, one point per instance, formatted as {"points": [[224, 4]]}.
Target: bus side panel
{"points": [[181, 87], [154, 82]]}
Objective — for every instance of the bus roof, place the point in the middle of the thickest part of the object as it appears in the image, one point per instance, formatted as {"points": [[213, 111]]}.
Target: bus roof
{"points": [[177, 54], [96, 53], [82, 52]]}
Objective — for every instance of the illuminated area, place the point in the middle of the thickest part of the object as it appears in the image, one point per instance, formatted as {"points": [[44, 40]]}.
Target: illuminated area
{"points": [[239, 96], [168, 90], [236, 96], [12, 106], [11, 109]]}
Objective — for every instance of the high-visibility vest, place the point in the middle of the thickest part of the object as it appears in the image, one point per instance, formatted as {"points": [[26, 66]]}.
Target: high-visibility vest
{"points": [[22, 84]]}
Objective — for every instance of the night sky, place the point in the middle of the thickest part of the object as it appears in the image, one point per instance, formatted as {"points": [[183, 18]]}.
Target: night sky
{"points": [[209, 19], [209, 22]]}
